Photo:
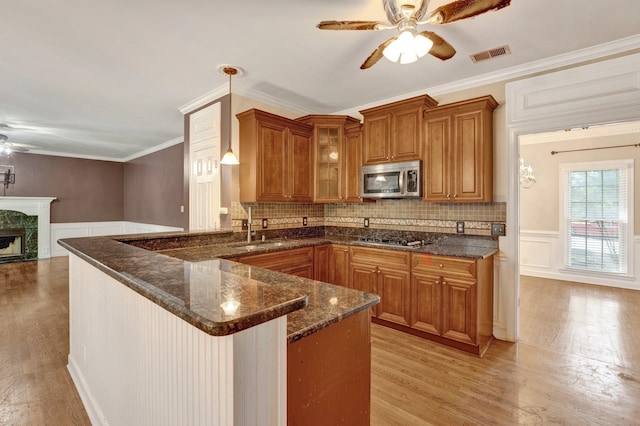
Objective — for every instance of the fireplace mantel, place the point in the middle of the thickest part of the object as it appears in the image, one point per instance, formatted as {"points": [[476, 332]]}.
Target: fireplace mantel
{"points": [[34, 206]]}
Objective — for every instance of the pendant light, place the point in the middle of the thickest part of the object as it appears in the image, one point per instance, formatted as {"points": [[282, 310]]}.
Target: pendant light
{"points": [[229, 157]]}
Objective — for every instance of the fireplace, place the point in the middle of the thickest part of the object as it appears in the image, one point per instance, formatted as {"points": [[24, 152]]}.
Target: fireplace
{"points": [[12, 244], [25, 228]]}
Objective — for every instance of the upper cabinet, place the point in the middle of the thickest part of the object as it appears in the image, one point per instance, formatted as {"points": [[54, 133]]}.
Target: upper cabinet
{"points": [[392, 132], [458, 158], [276, 158], [330, 142]]}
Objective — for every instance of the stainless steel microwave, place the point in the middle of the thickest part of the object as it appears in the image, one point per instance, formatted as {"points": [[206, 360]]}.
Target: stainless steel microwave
{"points": [[391, 180]]}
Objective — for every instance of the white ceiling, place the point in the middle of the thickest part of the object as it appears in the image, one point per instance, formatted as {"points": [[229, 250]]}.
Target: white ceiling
{"points": [[105, 79]]}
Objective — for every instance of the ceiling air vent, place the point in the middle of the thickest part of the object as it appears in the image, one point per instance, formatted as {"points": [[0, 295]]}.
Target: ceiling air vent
{"points": [[491, 53]]}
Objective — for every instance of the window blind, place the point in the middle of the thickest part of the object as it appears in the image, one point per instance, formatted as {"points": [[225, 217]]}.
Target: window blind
{"points": [[596, 216]]}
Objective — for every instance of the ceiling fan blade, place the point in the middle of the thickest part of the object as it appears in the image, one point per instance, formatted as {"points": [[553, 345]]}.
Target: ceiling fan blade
{"points": [[440, 49], [462, 9], [352, 25], [376, 55]]}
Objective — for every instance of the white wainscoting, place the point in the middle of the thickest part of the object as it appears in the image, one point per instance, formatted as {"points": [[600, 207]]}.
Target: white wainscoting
{"points": [[135, 363], [541, 256], [95, 229]]}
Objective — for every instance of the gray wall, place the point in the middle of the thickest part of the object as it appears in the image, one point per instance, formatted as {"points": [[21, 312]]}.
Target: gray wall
{"points": [[87, 190], [153, 188]]}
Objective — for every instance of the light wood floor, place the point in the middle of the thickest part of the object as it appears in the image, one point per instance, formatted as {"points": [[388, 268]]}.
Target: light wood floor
{"points": [[577, 361]]}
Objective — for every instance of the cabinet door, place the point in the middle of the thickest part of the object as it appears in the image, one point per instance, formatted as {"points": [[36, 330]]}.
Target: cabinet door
{"points": [[437, 133], [272, 183], [405, 135], [299, 171], [377, 139], [353, 161], [459, 310], [426, 313], [304, 271], [468, 147], [363, 277], [339, 265], [328, 163], [393, 287], [321, 258]]}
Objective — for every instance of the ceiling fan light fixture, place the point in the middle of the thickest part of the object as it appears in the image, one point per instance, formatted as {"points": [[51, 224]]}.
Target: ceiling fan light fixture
{"points": [[421, 45], [407, 47]]}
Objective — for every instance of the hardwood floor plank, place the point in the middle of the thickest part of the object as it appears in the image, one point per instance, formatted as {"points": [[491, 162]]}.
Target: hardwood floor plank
{"points": [[577, 361]]}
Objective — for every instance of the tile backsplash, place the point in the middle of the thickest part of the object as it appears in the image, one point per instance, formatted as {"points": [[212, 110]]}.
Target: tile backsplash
{"points": [[408, 215]]}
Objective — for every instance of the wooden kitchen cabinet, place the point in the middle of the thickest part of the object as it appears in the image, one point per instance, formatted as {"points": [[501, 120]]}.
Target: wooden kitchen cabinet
{"points": [[386, 273], [392, 132], [276, 158], [353, 162], [321, 261], [297, 262], [330, 169], [452, 298], [339, 265], [458, 158]]}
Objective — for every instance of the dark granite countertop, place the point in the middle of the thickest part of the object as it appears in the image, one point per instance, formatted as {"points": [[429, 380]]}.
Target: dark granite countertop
{"points": [[194, 286], [177, 270]]}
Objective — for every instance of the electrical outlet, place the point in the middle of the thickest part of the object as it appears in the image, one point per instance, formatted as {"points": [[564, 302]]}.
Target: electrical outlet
{"points": [[245, 224], [304, 221], [460, 227], [265, 223], [498, 229], [366, 222]]}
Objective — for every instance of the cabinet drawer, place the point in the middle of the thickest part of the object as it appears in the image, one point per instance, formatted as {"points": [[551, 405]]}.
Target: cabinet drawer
{"points": [[380, 257], [280, 260], [443, 265]]}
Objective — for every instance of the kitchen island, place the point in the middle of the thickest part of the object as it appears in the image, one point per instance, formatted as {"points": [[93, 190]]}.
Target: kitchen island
{"points": [[159, 340]]}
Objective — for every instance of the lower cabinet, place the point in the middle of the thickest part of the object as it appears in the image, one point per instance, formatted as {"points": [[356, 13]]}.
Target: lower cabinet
{"points": [[452, 299], [321, 260], [297, 262], [445, 299], [339, 265], [386, 273]]}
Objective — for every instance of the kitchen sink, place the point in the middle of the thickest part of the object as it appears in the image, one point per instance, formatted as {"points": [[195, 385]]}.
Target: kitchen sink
{"points": [[261, 245]]}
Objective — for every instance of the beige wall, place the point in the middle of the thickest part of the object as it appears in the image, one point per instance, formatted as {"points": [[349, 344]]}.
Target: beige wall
{"points": [[540, 204]]}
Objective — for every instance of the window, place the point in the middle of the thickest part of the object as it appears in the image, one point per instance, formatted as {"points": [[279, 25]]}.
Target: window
{"points": [[597, 218]]}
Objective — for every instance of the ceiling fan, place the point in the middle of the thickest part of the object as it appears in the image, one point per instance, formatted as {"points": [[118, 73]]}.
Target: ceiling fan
{"points": [[409, 45], [6, 147]]}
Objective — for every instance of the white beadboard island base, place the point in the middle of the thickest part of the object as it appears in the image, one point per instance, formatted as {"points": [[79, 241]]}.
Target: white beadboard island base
{"points": [[135, 363]]}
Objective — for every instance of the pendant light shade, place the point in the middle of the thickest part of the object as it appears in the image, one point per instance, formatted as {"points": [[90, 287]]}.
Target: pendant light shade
{"points": [[229, 157]]}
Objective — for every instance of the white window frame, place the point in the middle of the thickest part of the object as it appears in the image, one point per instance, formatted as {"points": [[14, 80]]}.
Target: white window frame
{"points": [[599, 165]]}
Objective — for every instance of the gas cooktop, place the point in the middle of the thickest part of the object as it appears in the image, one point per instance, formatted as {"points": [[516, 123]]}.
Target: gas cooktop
{"points": [[393, 242]]}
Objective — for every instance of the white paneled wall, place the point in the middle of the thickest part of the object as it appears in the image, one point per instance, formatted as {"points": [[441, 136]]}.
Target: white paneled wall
{"points": [[541, 256], [134, 363], [94, 229]]}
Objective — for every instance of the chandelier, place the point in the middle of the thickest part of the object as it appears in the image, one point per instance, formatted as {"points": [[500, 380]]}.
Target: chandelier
{"points": [[527, 179]]}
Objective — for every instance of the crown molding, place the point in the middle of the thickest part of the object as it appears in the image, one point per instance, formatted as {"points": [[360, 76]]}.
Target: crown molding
{"points": [[147, 151], [600, 51], [153, 149], [240, 89]]}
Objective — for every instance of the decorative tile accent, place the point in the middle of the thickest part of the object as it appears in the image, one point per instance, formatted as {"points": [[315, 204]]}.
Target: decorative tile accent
{"points": [[401, 215]]}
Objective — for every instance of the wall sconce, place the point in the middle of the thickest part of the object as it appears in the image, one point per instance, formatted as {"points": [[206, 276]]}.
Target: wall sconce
{"points": [[8, 177], [527, 179]]}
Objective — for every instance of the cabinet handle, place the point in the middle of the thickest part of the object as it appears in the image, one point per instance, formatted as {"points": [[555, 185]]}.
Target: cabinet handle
{"points": [[449, 196], [455, 196], [441, 266]]}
